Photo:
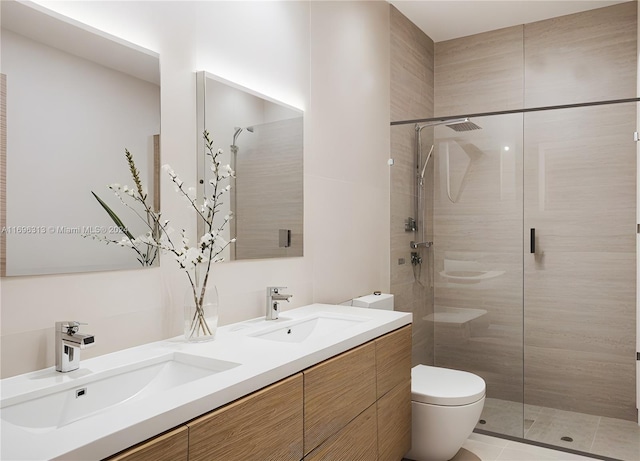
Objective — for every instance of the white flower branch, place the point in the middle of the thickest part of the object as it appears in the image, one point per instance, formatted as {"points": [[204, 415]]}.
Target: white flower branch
{"points": [[210, 246]]}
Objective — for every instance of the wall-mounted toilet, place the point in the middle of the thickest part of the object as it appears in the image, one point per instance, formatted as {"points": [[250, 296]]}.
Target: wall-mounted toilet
{"points": [[446, 405]]}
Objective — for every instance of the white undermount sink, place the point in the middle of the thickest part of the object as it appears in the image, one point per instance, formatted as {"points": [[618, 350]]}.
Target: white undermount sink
{"points": [[49, 409], [308, 328]]}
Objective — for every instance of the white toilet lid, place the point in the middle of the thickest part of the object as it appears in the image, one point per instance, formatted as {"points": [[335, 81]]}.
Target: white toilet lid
{"points": [[444, 386]]}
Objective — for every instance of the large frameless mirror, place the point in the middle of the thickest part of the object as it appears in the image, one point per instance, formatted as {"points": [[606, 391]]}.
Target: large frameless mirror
{"points": [[262, 141], [73, 99]]}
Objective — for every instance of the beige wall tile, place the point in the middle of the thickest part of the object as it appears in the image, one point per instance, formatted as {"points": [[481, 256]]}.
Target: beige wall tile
{"points": [[269, 190], [589, 56], [480, 73], [411, 70], [563, 384], [480, 235], [411, 97], [580, 302]]}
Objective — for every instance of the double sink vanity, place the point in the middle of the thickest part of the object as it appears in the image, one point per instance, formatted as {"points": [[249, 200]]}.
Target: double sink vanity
{"points": [[320, 380]]}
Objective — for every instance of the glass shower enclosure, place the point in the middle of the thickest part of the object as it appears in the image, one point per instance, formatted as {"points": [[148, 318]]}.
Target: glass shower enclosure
{"points": [[533, 269]]}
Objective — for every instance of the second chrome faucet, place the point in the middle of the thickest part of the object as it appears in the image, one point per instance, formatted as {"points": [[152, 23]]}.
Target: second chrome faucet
{"points": [[274, 296]]}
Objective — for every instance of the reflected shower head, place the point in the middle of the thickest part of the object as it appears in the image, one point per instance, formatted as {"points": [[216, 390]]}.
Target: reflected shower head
{"points": [[235, 135]]}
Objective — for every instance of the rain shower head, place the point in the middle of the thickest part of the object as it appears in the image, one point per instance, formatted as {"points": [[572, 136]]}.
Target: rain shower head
{"points": [[457, 124], [463, 125]]}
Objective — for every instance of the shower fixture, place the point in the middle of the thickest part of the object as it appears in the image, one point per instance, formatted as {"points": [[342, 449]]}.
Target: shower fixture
{"points": [[456, 124], [236, 134], [462, 125], [238, 130], [424, 168], [417, 224]]}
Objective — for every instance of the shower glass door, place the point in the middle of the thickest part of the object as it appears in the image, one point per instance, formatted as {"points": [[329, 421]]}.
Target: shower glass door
{"points": [[534, 224], [478, 262], [580, 275]]}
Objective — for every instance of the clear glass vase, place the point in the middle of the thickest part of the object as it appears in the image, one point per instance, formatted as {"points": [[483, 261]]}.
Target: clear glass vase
{"points": [[201, 307]]}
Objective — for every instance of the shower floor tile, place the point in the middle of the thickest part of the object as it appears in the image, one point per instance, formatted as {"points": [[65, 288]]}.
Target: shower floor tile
{"points": [[618, 439], [551, 426], [502, 416], [480, 447], [522, 452], [613, 438]]}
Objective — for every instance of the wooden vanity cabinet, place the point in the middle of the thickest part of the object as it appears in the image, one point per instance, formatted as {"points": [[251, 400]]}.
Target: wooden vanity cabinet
{"points": [[355, 406], [393, 365], [394, 423], [353, 443], [171, 446], [393, 360], [265, 425], [336, 391]]}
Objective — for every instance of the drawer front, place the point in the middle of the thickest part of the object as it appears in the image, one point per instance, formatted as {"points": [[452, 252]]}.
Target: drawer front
{"points": [[266, 425], [393, 359], [336, 391], [172, 446], [394, 423], [355, 442]]}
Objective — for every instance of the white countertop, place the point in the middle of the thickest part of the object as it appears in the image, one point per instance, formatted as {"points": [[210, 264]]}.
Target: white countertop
{"points": [[261, 362]]}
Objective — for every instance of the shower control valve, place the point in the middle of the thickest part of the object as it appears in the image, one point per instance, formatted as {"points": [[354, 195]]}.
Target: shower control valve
{"points": [[410, 225]]}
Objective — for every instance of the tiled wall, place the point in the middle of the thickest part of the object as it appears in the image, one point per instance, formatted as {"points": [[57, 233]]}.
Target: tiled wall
{"points": [[411, 97], [579, 192], [478, 253], [582, 57], [577, 58], [580, 293], [481, 73], [269, 191]]}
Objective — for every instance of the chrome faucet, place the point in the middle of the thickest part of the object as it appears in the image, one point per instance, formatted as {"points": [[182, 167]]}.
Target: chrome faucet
{"points": [[274, 295], [68, 345]]}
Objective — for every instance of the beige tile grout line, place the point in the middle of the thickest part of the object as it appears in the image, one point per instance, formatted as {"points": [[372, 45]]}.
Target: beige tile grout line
{"points": [[595, 434]]}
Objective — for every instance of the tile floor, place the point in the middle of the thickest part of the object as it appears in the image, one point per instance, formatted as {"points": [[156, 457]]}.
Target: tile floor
{"points": [[479, 447], [613, 438]]}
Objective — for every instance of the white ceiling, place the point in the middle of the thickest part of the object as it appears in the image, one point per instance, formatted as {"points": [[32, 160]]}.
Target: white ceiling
{"points": [[447, 19]]}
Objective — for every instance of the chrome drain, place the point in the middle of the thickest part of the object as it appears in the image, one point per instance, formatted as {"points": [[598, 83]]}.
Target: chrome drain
{"points": [[482, 421]]}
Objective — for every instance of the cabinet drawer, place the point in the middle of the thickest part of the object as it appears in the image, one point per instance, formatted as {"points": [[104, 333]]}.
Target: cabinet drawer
{"points": [[355, 442], [266, 425], [394, 423], [393, 359], [172, 446], [336, 391]]}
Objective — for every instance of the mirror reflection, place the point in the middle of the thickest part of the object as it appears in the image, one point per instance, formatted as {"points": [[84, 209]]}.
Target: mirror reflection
{"points": [[262, 140], [73, 99]]}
